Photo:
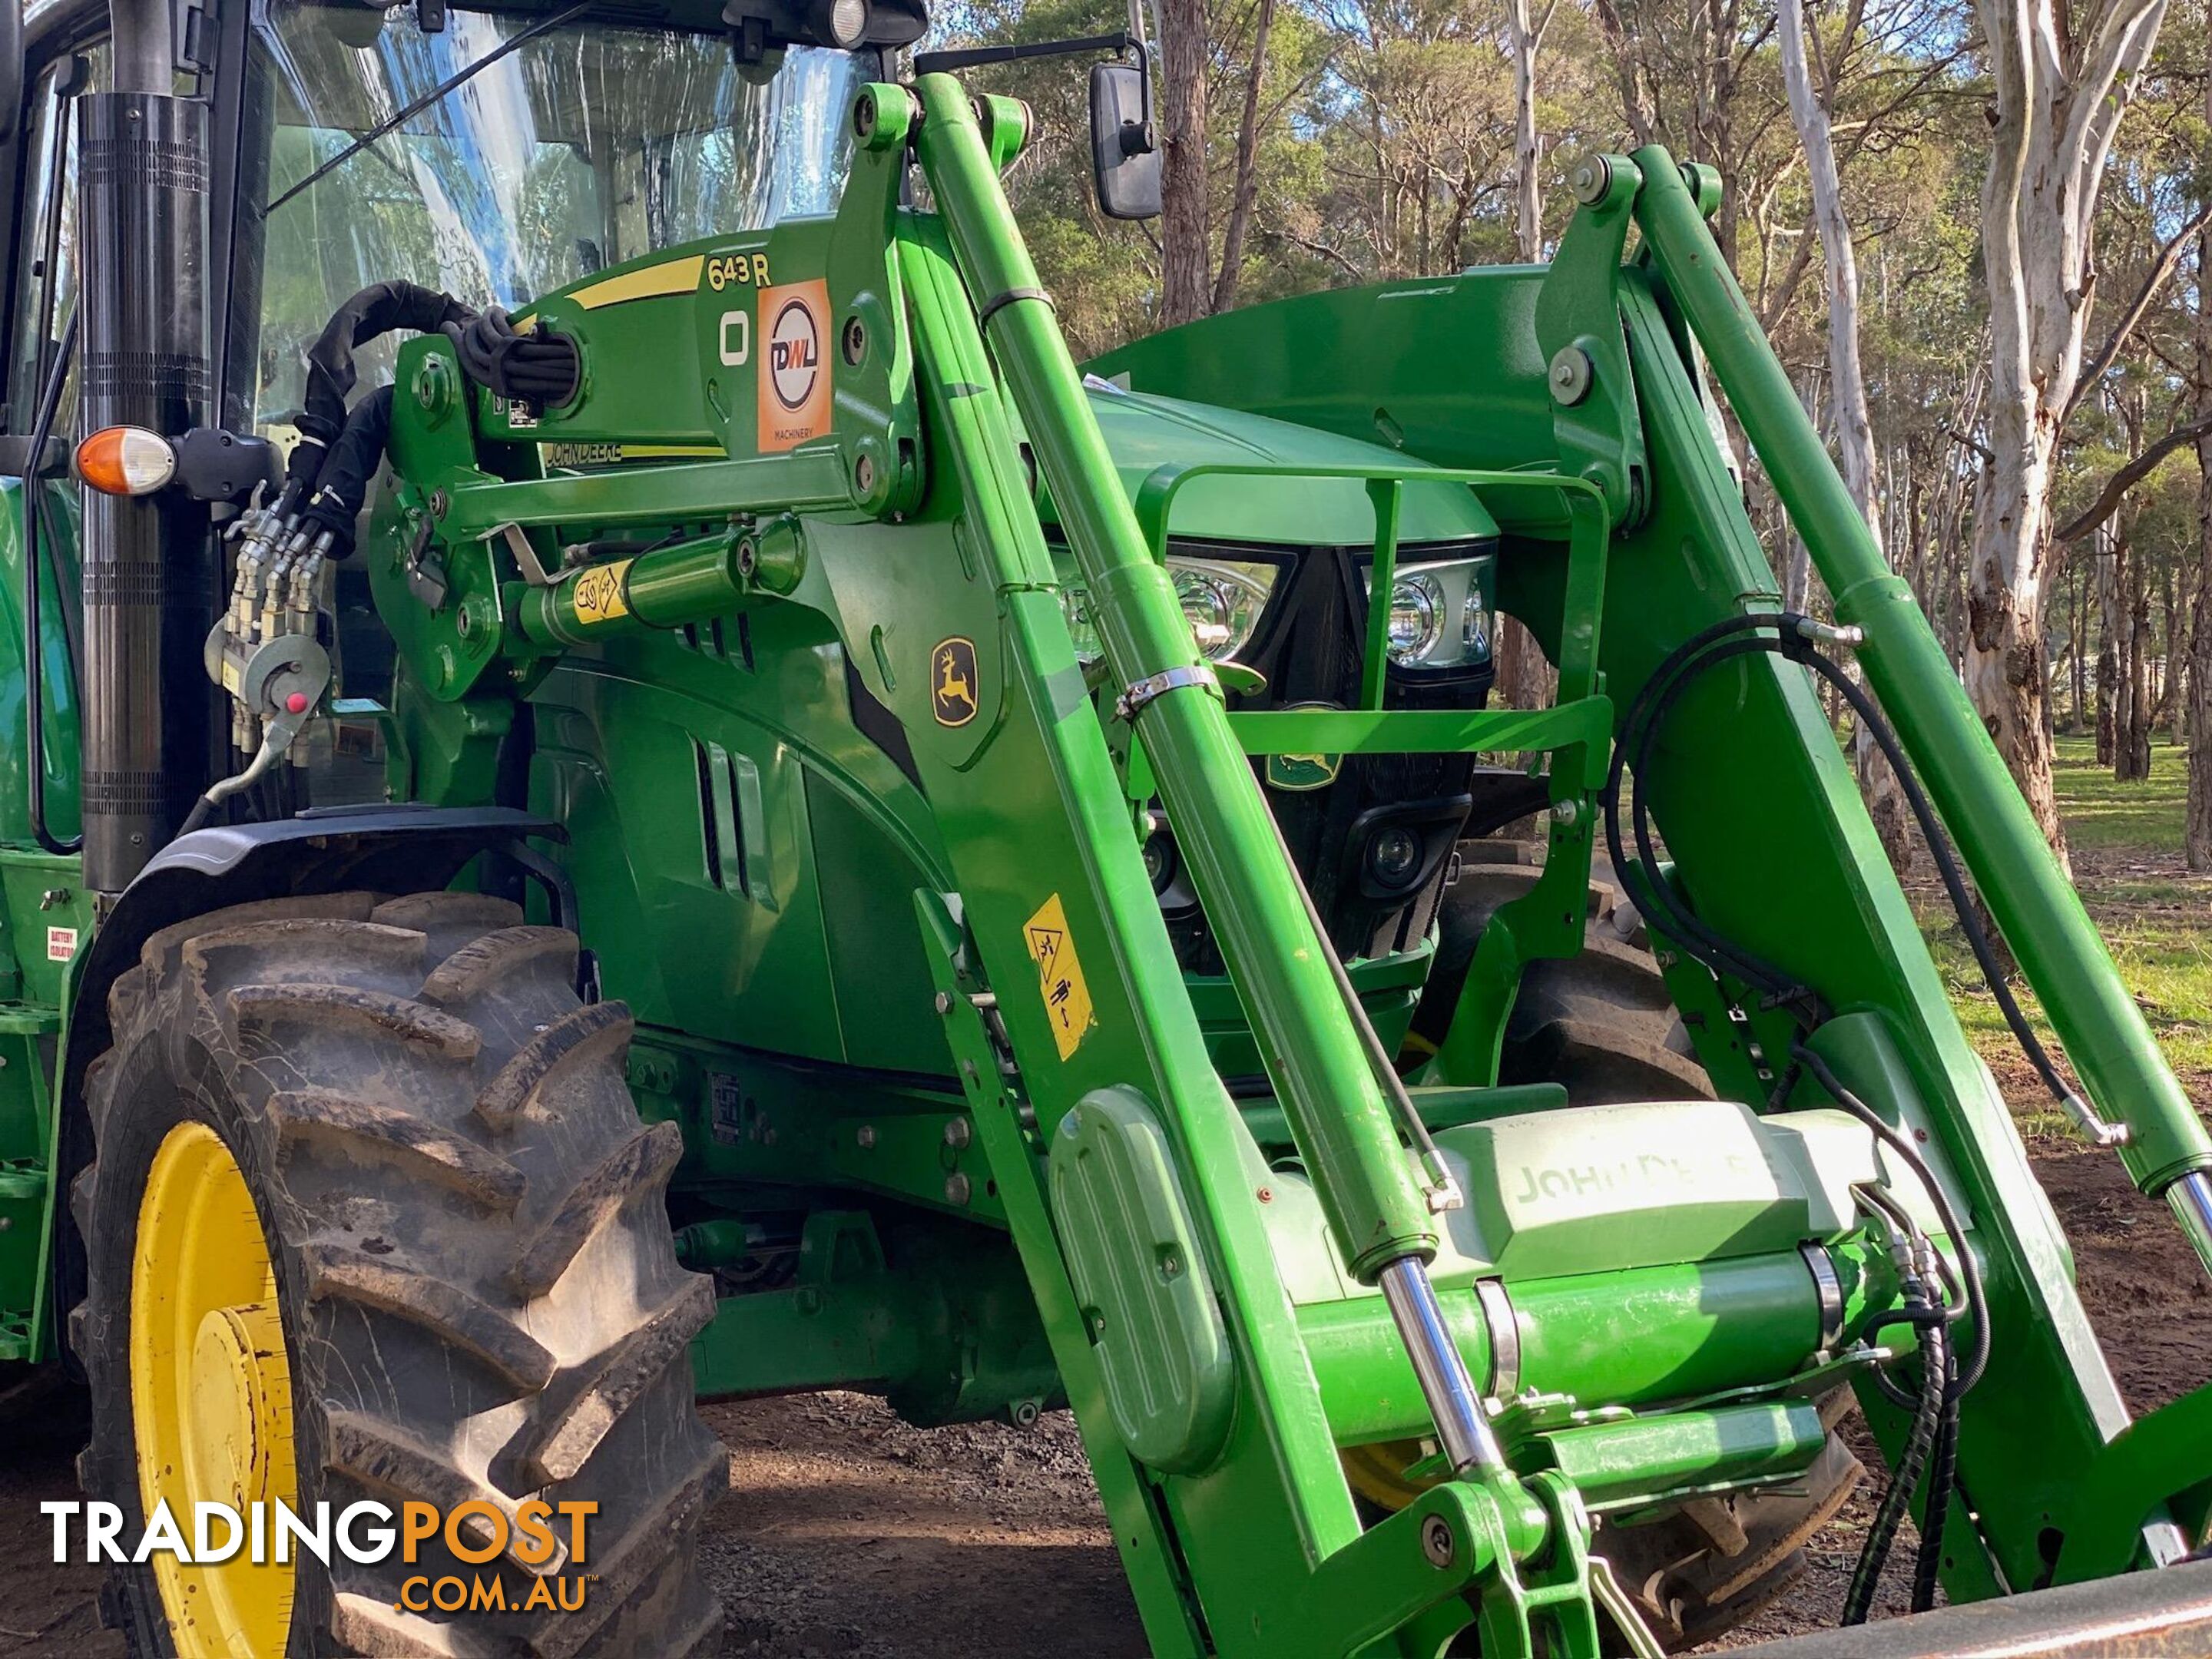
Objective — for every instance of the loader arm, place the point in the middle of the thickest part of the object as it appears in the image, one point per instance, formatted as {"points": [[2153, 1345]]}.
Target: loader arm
{"points": [[1549, 1319]]}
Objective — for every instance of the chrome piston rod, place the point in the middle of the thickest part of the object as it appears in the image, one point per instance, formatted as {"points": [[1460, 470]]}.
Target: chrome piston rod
{"points": [[1462, 1428], [2192, 1198]]}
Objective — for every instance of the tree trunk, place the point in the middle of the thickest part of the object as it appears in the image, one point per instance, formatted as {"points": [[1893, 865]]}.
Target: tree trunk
{"points": [[1525, 679], [1526, 26], [1854, 426], [2197, 837], [2078, 642], [2061, 89], [2109, 554], [2142, 708], [1246, 193], [1186, 239]]}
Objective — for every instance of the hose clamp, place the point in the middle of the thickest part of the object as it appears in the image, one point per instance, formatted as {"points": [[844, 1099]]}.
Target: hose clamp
{"points": [[1830, 1289], [1132, 701], [1504, 1337]]}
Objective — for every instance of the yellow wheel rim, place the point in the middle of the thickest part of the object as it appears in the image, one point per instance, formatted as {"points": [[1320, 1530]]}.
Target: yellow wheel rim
{"points": [[211, 1391], [1378, 1472]]}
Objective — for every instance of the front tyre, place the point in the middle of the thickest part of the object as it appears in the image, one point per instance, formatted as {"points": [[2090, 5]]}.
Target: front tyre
{"points": [[373, 1217]]}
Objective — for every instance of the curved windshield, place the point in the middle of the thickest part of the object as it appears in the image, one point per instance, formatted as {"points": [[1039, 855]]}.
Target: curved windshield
{"points": [[580, 148]]}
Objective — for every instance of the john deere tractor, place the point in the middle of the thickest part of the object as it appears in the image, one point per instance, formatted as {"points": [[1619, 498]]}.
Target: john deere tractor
{"points": [[624, 785]]}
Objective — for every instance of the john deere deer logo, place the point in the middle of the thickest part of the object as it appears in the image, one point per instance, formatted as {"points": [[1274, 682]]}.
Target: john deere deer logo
{"points": [[952, 682]]}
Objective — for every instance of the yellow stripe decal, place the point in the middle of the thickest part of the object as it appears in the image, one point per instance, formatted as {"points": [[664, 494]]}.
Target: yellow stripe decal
{"points": [[652, 283]]}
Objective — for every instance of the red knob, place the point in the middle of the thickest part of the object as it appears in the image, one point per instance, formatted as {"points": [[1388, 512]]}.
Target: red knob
{"points": [[297, 702]]}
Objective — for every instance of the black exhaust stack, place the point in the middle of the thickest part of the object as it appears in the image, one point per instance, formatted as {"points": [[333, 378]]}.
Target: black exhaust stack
{"points": [[150, 573]]}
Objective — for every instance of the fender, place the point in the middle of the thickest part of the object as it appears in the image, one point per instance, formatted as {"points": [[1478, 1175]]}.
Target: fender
{"points": [[402, 848]]}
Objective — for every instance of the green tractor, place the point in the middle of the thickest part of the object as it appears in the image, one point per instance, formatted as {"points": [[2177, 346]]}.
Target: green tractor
{"points": [[741, 823]]}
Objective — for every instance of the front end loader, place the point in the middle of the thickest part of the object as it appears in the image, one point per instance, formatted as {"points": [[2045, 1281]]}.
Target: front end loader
{"points": [[682, 806]]}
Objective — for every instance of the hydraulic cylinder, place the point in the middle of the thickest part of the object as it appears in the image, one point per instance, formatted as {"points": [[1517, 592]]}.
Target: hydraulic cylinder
{"points": [[1622, 1339]]}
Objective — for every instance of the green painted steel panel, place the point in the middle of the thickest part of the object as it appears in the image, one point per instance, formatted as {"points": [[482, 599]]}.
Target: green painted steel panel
{"points": [[1141, 1283], [1145, 434]]}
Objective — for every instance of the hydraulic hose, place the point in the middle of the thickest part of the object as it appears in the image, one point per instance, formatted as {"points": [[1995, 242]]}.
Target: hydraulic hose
{"points": [[1647, 714], [1785, 633], [1920, 1442], [1972, 1302]]}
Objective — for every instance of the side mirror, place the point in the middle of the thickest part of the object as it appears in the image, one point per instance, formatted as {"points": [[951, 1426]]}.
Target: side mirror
{"points": [[1125, 157]]}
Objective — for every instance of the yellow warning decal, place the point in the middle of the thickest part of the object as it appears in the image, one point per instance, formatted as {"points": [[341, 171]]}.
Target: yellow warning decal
{"points": [[1060, 976], [599, 597]]}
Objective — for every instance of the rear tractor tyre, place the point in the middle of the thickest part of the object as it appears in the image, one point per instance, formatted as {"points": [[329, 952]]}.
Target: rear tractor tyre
{"points": [[1604, 1024], [373, 1217]]}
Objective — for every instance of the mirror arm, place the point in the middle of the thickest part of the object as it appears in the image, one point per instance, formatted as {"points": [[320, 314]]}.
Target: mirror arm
{"points": [[1136, 140]]}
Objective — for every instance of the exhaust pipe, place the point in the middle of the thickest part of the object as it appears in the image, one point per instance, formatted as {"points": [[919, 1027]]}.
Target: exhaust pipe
{"points": [[149, 567]]}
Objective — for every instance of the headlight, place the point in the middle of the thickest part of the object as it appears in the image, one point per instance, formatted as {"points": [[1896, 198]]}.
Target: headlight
{"points": [[1440, 614], [1223, 600], [1417, 617]]}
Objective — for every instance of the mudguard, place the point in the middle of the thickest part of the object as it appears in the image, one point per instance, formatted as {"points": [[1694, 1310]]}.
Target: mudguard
{"points": [[404, 847]]}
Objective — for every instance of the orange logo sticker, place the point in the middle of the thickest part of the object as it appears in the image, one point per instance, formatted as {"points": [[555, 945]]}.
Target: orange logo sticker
{"points": [[795, 370]]}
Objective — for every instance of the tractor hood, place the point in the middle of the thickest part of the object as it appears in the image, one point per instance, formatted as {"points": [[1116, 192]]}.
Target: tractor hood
{"points": [[1144, 433]]}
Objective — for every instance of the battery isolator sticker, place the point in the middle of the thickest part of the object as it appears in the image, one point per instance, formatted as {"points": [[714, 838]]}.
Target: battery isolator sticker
{"points": [[793, 326], [1060, 976], [598, 596]]}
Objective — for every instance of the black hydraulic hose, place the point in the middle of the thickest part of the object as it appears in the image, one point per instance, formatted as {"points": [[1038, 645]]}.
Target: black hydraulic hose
{"points": [[1638, 735], [347, 469], [379, 309], [1647, 715], [34, 713], [1897, 1497], [1946, 866], [1943, 1474], [1655, 894], [532, 367], [1739, 636], [1973, 1302]]}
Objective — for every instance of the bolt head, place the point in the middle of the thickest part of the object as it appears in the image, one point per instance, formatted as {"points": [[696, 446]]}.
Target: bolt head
{"points": [[1438, 1542], [855, 341], [959, 1189], [864, 1136], [864, 475], [958, 1132], [1591, 178], [945, 1002], [1570, 376]]}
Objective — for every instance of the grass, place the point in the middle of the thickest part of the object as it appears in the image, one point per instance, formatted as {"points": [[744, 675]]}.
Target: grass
{"points": [[2102, 813], [2155, 916]]}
